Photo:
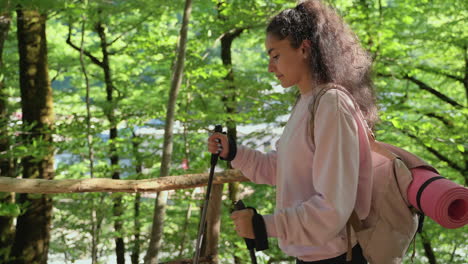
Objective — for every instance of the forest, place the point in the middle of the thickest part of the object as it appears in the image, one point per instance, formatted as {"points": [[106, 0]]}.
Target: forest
{"points": [[130, 90]]}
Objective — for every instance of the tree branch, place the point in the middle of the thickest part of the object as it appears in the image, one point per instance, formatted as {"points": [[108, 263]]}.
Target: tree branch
{"points": [[426, 87], [438, 72], [117, 38], [235, 32], [145, 18], [435, 152], [110, 185], [465, 80], [448, 123], [117, 51], [59, 71], [87, 53], [428, 250], [452, 255]]}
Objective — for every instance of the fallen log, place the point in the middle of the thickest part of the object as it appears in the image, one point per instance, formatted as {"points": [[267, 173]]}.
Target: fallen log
{"points": [[110, 185]]}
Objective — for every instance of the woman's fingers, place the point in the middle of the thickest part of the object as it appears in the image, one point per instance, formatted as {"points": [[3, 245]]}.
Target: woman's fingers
{"points": [[218, 144], [243, 223], [214, 147]]}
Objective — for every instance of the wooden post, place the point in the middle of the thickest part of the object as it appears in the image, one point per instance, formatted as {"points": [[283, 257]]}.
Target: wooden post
{"points": [[213, 225]]}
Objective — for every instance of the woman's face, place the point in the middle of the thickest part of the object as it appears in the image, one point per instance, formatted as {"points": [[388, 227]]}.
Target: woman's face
{"points": [[287, 63]]}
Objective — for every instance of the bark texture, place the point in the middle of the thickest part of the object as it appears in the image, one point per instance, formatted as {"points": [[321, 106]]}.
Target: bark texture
{"points": [[160, 203], [230, 97], [117, 208], [33, 227]]}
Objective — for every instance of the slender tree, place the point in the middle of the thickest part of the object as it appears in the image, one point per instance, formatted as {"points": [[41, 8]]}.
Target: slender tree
{"points": [[160, 203], [211, 238], [114, 157], [33, 227], [230, 97], [428, 249], [96, 217], [105, 65], [136, 141]]}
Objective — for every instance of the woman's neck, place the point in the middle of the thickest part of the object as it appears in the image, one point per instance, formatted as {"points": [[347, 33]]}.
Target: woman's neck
{"points": [[306, 84]]}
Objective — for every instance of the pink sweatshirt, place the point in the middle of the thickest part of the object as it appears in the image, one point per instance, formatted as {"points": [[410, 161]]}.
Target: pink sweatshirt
{"points": [[318, 186]]}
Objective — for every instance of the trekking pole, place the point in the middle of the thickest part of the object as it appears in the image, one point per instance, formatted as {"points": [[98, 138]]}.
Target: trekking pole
{"points": [[239, 205], [201, 229]]}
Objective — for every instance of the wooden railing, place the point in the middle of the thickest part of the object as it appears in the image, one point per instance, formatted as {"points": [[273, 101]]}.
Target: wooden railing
{"points": [[109, 185]]}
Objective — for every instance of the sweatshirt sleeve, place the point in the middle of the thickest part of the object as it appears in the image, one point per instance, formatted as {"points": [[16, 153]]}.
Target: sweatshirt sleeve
{"points": [[335, 174], [257, 166]]}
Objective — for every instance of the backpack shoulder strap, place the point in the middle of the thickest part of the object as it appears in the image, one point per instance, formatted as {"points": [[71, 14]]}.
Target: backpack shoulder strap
{"points": [[314, 104], [411, 161], [376, 146]]}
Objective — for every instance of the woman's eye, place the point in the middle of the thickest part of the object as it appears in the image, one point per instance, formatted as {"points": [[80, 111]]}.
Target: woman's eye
{"points": [[276, 57]]}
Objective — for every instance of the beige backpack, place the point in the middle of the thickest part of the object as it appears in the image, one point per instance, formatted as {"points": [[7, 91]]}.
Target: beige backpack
{"points": [[386, 233]]}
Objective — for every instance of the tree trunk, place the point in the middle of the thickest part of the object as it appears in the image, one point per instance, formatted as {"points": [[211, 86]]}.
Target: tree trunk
{"points": [[6, 222], [94, 234], [135, 257], [210, 243], [160, 203], [186, 224], [96, 222], [114, 157], [188, 214], [465, 79], [110, 114], [229, 99], [428, 248], [33, 227], [465, 84], [136, 230], [96, 218], [213, 224]]}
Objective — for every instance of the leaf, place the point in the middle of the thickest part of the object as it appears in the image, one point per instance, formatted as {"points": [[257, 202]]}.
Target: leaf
{"points": [[408, 20]]}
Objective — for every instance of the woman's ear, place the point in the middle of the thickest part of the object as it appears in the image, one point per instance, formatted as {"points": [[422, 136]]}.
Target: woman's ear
{"points": [[306, 44], [305, 47]]}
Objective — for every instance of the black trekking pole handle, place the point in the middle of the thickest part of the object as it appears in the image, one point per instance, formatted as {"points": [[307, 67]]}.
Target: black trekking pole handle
{"points": [[239, 205], [201, 229]]}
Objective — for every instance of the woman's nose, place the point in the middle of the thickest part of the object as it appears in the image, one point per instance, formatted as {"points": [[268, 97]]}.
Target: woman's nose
{"points": [[271, 67]]}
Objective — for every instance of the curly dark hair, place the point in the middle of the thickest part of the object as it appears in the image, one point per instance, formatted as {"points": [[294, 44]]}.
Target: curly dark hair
{"points": [[336, 55]]}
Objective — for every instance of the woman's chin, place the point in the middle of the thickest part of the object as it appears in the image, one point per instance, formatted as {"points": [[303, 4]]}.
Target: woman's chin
{"points": [[286, 85]]}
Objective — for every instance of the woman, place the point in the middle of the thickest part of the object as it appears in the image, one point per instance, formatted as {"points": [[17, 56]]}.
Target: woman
{"points": [[319, 182]]}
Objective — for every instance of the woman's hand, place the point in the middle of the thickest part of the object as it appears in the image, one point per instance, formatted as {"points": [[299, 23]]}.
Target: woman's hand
{"points": [[243, 223], [218, 144]]}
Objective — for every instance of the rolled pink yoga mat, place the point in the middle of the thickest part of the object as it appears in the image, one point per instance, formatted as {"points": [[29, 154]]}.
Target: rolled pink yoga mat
{"points": [[442, 200]]}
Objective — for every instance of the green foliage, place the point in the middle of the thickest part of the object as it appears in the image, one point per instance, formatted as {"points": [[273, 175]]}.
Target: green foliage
{"points": [[8, 209]]}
